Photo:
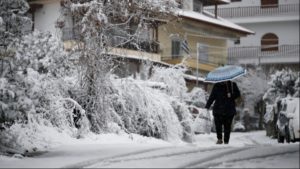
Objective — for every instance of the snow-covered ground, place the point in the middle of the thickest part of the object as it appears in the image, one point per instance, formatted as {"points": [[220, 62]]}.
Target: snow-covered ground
{"points": [[245, 150]]}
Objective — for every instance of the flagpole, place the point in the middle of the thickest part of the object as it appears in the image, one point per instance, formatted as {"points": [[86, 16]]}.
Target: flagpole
{"points": [[197, 57]]}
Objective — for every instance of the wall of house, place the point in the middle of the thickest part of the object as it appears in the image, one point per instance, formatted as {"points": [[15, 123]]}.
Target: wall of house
{"points": [[282, 21], [45, 17], [217, 47], [287, 32]]}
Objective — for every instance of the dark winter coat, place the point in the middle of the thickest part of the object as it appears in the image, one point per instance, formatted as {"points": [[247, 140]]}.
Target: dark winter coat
{"points": [[223, 104]]}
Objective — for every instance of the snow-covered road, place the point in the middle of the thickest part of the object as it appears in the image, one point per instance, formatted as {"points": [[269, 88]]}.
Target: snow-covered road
{"points": [[245, 150]]}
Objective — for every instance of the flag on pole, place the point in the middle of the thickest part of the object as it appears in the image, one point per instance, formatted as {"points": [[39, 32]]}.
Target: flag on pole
{"points": [[185, 46]]}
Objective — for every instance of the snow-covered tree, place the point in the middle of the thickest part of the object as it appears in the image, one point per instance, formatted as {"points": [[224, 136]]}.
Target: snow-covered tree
{"points": [[251, 93], [34, 93], [13, 24], [283, 83], [98, 23]]}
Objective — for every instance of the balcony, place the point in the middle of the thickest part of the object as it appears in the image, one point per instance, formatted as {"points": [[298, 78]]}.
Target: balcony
{"points": [[285, 54], [143, 45], [134, 54], [250, 11], [119, 41]]}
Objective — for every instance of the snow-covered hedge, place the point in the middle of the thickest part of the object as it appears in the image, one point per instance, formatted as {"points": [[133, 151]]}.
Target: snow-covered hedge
{"points": [[34, 94], [282, 84], [146, 111], [154, 107]]}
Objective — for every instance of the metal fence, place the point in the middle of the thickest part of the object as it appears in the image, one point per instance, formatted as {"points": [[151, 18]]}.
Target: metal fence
{"points": [[249, 11], [145, 45], [254, 54]]}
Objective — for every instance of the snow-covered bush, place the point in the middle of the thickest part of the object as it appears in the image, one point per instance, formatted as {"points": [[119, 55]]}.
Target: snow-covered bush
{"points": [[36, 93], [176, 88], [13, 24], [146, 111], [197, 97], [153, 107], [297, 86], [284, 83], [173, 78], [251, 92], [251, 95]]}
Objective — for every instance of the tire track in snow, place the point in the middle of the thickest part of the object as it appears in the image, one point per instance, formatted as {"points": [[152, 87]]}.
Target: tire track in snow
{"points": [[252, 140], [166, 155], [120, 158], [247, 158], [214, 157], [97, 160]]}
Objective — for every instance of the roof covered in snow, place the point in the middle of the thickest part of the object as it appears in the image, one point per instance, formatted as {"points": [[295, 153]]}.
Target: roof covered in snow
{"points": [[193, 78], [213, 2], [209, 18]]}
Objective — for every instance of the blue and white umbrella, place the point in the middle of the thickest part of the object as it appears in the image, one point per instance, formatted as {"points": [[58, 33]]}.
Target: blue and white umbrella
{"points": [[224, 73]]}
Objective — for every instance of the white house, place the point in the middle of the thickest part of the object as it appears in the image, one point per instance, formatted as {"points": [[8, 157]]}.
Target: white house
{"points": [[276, 26]]}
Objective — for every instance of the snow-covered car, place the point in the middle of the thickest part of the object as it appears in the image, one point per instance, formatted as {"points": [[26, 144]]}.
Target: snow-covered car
{"points": [[202, 120], [294, 122], [288, 120]]}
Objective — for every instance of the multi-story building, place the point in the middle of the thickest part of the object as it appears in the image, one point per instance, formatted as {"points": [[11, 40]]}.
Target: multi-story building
{"points": [[204, 34], [275, 43]]}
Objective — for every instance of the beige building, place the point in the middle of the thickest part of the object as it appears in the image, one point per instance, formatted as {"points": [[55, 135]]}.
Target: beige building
{"points": [[205, 34]]}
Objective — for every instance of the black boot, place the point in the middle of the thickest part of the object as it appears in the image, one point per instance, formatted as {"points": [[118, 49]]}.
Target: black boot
{"points": [[219, 141]]}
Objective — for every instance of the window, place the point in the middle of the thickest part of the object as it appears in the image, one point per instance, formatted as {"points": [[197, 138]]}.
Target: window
{"points": [[202, 52], [269, 3], [146, 34], [237, 42], [197, 6], [176, 48], [269, 42]]}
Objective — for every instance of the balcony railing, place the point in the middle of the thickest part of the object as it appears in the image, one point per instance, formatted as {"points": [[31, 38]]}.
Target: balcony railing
{"points": [[144, 45], [254, 55], [249, 11]]}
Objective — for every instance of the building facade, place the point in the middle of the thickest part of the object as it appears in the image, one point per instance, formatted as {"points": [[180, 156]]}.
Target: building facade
{"points": [[275, 43], [204, 35]]}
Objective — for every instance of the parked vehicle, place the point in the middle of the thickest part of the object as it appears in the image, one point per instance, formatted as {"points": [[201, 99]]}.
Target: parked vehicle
{"points": [[202, 120], [294, 123], [288, 120]]}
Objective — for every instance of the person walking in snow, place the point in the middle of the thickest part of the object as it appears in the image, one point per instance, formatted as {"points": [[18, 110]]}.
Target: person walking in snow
{"points": [[223, 96]]}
